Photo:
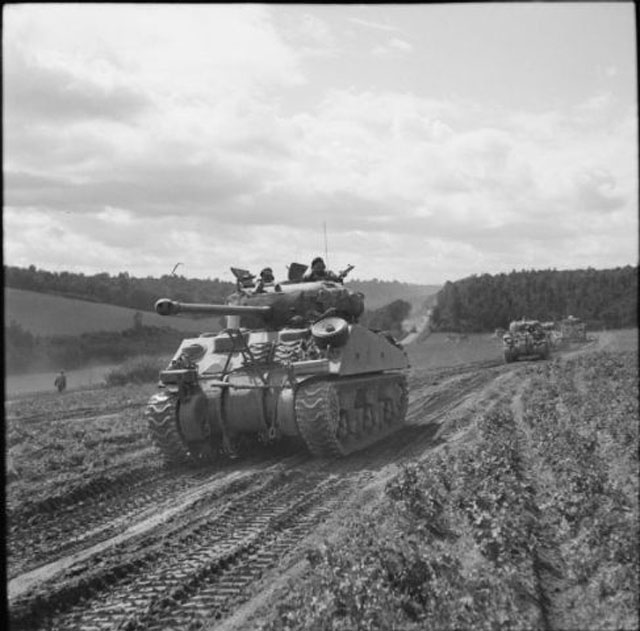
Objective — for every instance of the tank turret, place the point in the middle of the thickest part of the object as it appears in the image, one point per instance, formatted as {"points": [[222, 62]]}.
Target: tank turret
{"points": [[292, 361], [278, 305]]}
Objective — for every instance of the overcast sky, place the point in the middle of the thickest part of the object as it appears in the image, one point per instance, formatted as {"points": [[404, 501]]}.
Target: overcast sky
{"points": [[432, 141]]}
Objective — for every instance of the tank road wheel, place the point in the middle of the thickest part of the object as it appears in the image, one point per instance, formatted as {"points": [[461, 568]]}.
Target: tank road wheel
{"points": [[336, 418], [318, 418], [162, 415]]}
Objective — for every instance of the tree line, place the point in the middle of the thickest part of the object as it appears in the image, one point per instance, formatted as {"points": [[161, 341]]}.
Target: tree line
{"points": [[602, 298], [121, 290]]}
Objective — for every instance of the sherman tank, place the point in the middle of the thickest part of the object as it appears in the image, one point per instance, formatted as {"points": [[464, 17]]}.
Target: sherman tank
{"points": [[525, 339], [292, 361], [572, 330]]}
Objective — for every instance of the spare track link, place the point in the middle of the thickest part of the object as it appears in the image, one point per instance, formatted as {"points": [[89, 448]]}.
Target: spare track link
{"points": [[318, 415], [161, 414]]}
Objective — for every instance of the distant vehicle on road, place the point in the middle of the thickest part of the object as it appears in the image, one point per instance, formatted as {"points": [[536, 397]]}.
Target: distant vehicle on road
{"points": [[525, 339]]}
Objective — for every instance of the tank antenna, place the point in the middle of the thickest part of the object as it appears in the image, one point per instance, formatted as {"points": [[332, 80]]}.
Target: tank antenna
{"points": [[326, 251]]}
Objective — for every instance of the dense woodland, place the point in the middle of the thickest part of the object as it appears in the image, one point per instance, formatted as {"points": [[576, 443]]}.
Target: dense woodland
{"points": [[603, 298]]}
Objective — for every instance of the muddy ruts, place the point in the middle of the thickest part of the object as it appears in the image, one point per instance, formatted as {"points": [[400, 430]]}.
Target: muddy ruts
{"points": [[197, 563], [338, 417], [36, 537], [225, 588], [109, 483]]}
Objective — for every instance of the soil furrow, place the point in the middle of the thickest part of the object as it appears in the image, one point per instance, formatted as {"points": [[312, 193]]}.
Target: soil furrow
{"points": [[217, 595], [188, 558], [544, 552], [40, 537]]}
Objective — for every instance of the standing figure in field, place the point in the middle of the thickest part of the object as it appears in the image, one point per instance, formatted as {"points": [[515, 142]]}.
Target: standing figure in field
{"points": [[61, 382], [319, 271]]}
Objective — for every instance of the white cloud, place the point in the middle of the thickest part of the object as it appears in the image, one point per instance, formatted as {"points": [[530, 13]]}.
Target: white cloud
{"points": [[392, 48], [607, 71], [140, 131], [310, 35], [372, 25]]}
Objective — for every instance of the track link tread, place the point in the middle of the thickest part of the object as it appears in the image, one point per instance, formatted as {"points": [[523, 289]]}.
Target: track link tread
{"points": [[317, 411], [318, 416], [161, 415]]}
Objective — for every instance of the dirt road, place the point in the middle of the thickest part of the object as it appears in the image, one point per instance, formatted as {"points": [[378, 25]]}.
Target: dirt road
{"points": [[136, 546]]}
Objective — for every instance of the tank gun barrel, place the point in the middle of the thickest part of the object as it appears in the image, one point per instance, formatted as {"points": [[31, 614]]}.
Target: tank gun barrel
{"points": [[166, 307]]}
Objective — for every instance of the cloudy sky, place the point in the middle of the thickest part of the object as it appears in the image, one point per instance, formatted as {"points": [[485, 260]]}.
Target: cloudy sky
{"points": [[429, 142]]}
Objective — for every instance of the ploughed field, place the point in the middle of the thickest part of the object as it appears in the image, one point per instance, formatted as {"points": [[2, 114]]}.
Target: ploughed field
{"points": [[508, 500]]}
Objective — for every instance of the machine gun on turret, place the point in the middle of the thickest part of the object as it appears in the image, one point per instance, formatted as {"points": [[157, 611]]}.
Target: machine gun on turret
{"points": [[343, 274]]}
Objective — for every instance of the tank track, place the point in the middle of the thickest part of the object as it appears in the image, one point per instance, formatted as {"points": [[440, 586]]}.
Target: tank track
{"points": [[162, 416], [331, 428]]}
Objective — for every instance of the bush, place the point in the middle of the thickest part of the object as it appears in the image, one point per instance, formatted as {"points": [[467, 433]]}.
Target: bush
{"points": [[144, 369]]}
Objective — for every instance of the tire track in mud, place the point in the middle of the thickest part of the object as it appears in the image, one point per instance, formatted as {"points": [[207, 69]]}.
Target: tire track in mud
{"points": [[20, 586], [286, 525], [40, 533], [197, 564], [77, 414]]}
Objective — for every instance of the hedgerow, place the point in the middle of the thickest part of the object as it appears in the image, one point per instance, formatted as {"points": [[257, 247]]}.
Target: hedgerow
{"points": [[144, 369]]}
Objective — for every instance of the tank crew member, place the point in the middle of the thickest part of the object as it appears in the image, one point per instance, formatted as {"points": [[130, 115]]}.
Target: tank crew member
{"points": [[319, 271], [266, 280], [244, 280]]}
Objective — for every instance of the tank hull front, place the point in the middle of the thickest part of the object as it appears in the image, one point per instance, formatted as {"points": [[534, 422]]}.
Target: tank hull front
{"points": [[338, 396]]}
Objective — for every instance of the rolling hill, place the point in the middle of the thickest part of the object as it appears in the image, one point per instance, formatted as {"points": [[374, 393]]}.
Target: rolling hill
{"points": [[48, 314]]}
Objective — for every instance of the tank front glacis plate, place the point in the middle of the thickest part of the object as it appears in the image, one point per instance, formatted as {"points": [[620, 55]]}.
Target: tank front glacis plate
{"points": [[213, 355]]}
